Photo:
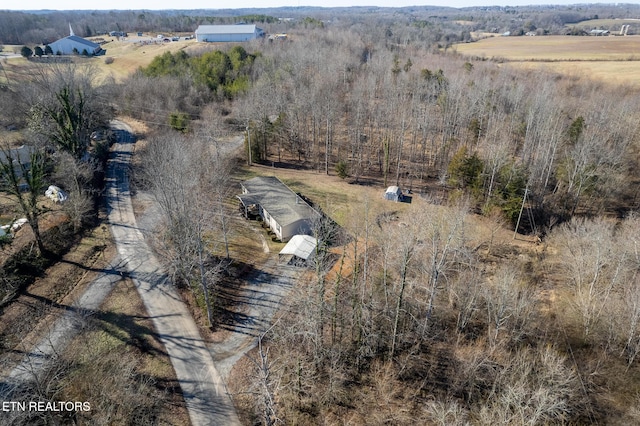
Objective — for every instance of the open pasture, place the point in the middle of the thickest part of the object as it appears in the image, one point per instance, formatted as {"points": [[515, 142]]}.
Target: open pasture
{"points": [[610, 59], [129, 55], [554, 48]]}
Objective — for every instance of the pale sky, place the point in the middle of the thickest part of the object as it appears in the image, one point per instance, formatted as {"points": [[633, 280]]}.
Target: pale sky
{"points": [[237, 4]]}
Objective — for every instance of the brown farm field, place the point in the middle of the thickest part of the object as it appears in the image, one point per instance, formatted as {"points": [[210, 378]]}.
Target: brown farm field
{"points": [[608, 59]]}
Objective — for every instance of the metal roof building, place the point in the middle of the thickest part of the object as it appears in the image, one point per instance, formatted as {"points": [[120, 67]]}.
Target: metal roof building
{"points": [[300, 246], [286, 213], [21, 155], [393, 193], [227, 33], [66, 46]]}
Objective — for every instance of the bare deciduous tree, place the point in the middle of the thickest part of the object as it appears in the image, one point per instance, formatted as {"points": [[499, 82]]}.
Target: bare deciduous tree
{"points": [[181, 180], [24, 180], [593, 266]]}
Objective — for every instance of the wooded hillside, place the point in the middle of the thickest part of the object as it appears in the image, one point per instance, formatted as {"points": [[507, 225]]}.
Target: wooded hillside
{"points": [[426, 314]]}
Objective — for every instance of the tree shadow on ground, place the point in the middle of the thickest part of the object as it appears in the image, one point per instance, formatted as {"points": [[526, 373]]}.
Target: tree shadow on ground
{"points": [[237, 295]]}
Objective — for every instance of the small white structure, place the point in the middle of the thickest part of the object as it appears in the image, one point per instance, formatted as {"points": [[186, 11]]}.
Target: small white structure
{"points": [[56, 194], [227, 33], [7, 230], [16, 225], [393, 193], [302, 247]]}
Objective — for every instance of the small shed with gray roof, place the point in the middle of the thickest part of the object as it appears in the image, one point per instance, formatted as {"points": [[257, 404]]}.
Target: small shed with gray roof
{"points": [[284, 211], [393, 193]]}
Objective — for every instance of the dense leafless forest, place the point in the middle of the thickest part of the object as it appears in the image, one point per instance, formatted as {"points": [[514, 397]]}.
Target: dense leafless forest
{"points": [[428, 321]]}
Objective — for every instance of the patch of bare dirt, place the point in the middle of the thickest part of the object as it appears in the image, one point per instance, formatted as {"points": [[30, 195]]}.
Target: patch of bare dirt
{"points": [[24, 236], [25, 320]]}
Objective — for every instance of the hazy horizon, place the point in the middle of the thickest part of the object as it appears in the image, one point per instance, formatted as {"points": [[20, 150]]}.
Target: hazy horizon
{"points": [[34, 5]]}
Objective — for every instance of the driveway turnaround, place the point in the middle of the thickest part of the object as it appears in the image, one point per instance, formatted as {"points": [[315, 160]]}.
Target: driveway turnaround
{"points": [[204, 391]]}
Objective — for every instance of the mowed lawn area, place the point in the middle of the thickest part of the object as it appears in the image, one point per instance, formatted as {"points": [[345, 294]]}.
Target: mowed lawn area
{"points": [[609, 59]]}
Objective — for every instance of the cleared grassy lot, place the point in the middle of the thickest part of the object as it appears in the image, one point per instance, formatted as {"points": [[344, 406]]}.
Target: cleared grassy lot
{"points": [[555, 48], [129, 55], [609, 59]]}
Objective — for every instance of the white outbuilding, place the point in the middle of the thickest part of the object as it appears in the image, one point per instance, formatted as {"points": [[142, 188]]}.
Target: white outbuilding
{"points": [[300, 247], [56, 194], [393, 193], [228, 33]]}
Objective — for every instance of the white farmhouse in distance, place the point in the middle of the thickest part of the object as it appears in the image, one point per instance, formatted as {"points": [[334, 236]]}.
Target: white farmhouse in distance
{"points": [[227, 33]]}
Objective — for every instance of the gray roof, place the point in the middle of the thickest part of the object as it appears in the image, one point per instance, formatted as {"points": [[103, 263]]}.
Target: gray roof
{"points": [[67, 44], [226, 29], [83, 41], [284, 205], [22, 154]]}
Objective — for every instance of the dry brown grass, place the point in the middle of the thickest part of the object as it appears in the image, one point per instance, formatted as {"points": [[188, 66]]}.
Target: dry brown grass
{"points": [[606, 59], [131, 371], [27, 318], [554, 48], [128, 56]]}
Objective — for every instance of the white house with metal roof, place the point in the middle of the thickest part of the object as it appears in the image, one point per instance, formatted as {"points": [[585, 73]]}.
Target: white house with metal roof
{"points": [[228, 33], [286, 213]]}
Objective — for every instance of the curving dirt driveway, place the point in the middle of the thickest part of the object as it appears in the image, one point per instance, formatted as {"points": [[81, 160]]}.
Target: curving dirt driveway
{"points": [[204, 391]]}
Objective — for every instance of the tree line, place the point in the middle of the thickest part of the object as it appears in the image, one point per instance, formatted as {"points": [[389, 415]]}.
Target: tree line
{"points": [[445, 25]]}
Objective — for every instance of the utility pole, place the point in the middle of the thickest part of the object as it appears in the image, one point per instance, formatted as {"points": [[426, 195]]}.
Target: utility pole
{"points": [[249, 144], [524, 199]]}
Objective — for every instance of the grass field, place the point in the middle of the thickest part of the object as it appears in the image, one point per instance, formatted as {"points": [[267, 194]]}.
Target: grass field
{"points": [[127, 56], [608, 59]]}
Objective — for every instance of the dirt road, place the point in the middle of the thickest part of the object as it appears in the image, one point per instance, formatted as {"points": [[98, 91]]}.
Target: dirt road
{"points": [[203, 388], [204, 392]]}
